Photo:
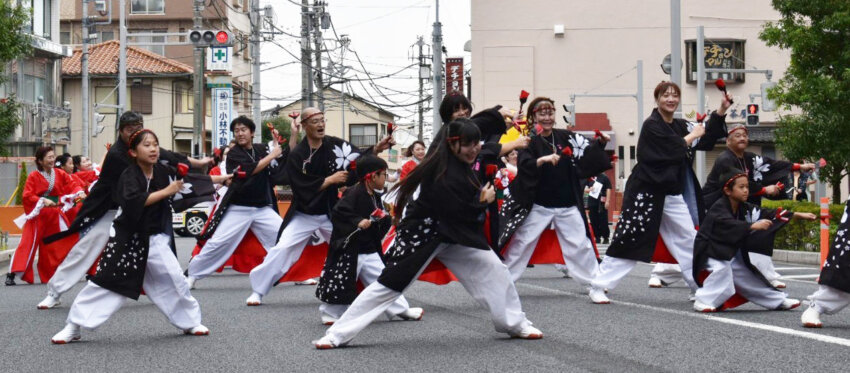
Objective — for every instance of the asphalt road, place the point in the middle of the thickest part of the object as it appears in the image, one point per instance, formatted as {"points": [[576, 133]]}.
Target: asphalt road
{"points": [[642, 330]]}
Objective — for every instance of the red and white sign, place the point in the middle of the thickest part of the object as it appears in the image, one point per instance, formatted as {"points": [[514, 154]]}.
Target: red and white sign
{"points": [[454, 74]]}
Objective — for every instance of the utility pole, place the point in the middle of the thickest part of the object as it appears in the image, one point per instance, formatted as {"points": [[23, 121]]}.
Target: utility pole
{"points": [[676, 47], [256, 23], [319, 23], [306, 59], [437, 65], [198, 83], [700, 161], [421, 44], [344, 40], [122, 59], [84, 64]]}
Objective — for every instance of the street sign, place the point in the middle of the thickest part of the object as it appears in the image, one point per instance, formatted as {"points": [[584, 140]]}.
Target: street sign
{"points": [[222, 115], [454, 75], [219, 59]]}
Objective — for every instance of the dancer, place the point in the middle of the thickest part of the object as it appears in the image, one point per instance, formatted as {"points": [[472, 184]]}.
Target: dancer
{"points": [[316, 168], [359, 223], [47, 192], [95, 217], [598, 201], [85, 171], [248, 205], [721, 247], [139, 254], [442, 202], [416, 152], [546, 191], [833, 293], [662, 195]]}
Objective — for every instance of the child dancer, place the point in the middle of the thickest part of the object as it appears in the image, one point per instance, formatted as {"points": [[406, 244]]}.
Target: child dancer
{"points": [[139, 254], [442, 220], [721, 247], [834, 292], [359, 223]]}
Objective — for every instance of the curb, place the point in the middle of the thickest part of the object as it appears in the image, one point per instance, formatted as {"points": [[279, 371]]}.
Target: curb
{"points": [[797, 257]]}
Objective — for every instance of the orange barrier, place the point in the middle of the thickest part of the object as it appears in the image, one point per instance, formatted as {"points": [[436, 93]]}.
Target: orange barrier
{"points": [[824, 229], [283, 207], [7, 217]]}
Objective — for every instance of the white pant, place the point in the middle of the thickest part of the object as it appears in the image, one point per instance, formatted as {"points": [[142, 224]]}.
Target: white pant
{"points": [[764, 264], [479, 271], [829, 300], [164, 285], [667, 272], [369, 267], [678, 233], [282, 256], [576, 248], [730, 276], [263, 221], [82, 256]]}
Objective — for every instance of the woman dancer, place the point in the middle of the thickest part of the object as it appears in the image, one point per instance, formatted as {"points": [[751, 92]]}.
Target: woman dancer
{"points": [[416, 152], [833, 295]]}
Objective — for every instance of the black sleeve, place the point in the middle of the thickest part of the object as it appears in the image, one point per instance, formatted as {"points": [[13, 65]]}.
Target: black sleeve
{"points": [[593, 159], [172, 158], [715, 129], [454, 199], [660, 148], [131, 196], [239, 158]]}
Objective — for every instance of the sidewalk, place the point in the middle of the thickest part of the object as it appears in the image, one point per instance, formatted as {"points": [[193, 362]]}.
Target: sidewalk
{"points": [[11, 245]]}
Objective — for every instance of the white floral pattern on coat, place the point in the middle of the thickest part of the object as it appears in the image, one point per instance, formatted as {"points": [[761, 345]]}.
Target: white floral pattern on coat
{"points": [[344, 155]]}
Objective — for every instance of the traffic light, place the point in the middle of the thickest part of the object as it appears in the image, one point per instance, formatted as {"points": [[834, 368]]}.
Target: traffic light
{"points": [[752, 114], [210, 38]]}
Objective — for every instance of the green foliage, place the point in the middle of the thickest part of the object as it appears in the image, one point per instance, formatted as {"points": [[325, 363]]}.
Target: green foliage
{"points": [[283, 128], [10, 118], [22, 180], [817, 33], [14, 43], [800, 235]]}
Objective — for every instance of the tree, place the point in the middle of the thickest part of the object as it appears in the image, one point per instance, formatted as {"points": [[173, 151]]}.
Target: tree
{"points": [[283, 128], [13, 44], [817, 32], [22, 181]]}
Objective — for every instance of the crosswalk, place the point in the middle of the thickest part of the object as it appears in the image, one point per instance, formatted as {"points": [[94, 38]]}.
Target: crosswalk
{"points": [[798, 273]]}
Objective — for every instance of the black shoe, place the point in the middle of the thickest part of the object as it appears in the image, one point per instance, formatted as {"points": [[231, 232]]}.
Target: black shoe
{"points": [[10, 279], [530, 266], [606, 241], [89, 277]]}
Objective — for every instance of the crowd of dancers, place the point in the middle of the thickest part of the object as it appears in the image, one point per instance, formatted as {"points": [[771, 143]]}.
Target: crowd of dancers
{"points": [[468, 208]]}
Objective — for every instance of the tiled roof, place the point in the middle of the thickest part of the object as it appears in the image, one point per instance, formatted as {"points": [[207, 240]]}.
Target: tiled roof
{"points": [[103, 60]]}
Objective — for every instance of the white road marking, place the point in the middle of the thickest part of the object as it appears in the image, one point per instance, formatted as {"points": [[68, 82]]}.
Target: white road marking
{"points": [[796, 268], [802, 276], [754, 325]]}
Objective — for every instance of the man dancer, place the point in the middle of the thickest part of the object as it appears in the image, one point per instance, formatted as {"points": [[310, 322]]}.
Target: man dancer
{"points": [[98, 211], [316, 168]]}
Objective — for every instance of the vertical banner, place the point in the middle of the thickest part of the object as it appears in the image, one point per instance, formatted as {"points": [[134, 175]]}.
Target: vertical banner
{"points": [[454, 75], [222, 115]]}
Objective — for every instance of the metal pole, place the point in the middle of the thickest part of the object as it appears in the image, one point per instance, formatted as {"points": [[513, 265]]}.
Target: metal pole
{"points": [[639, 96], [198, 83], [256, 21], [317, 37], [306, 60], [122, 58], [421, 44], [84, 65], [437, 65], [700, 94], [676, 47]]}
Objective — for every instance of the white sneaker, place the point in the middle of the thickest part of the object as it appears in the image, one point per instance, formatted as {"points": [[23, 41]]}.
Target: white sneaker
{"points": [[198, 330], [789, 304], [70, 333], [309, 281], [324, 343], [598, 296], [811, 318], [49, 302], [777, 284], [328, 319], [529, 332], [702, 307], [412, 314], [191, 282], [655, 282], [254, 300]]}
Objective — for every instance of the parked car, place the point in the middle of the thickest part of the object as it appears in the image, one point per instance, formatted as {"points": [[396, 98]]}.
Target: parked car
{"points": [[191, 222]]}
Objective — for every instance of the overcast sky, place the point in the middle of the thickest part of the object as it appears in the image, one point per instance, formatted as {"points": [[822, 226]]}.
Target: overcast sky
{"points": [[381, 32]]}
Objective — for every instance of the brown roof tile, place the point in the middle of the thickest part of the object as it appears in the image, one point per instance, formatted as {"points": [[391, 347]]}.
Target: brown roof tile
{"points": [[103, 60]]}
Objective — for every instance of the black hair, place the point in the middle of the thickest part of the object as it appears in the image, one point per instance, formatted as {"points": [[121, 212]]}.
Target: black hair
{"points": [[452, 102], [245, 121], [40, 153], [409, 151], [433, 167], [130, 117], [78, 161], [137, 137], [62, 159]]}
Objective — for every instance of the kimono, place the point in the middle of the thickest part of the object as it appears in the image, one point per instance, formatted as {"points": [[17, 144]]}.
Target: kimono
{"points": [[492, 126], [588, 159], [39, 222], [338, 283], [836, 270], [407, 167], [664, 168], [761, 171]]}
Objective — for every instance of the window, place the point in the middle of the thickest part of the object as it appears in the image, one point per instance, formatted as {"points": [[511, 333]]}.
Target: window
{"points": [[237, 3], [393, 155], [719, 54], [182, 37], [621, 161], [105, 95], [147, 7], [40, 17], [65, 37], [105, 36], [363, 135], [141, 96], [632, 157], [184, 97], [158, 49]]}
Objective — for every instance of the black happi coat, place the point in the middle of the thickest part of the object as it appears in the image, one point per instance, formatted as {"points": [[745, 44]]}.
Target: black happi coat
{"points": [[445, 210], [761, 171], [492, 126], [836, 270], [725, 232], [589, 158], [306, 175], [664, 168], [100, 198], [253, 190], [124, 260], [338, 283]]}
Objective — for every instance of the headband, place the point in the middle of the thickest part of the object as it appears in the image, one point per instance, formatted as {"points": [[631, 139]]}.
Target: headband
{"points": [[738, 128], [311, 115], [731, 179], [545, 104]]}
